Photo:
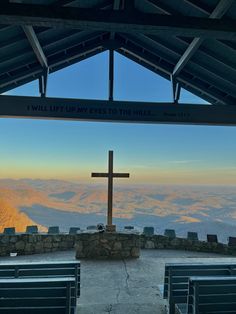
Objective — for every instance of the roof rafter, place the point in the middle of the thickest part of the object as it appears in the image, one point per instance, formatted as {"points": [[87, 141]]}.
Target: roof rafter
{"points": [[158, 49], [205, 9], [19, 59], [116, 6], [37, 71], [210, 54], [62, 2], [193, 88], [35, 74], [162, 7], [35, 44], [213, 78], [122, 21], [198, 4], [150, 61], [222, 7]]}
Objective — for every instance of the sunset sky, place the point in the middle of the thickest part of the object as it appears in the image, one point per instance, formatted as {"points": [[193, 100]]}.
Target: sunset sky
{"points": [[71, 150]]}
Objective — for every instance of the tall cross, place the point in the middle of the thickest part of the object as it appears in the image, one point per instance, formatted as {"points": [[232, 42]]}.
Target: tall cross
{"points": [[110, 175]]}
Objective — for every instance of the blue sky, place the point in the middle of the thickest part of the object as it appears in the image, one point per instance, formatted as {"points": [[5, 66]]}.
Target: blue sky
{"points": [[151, 153]]}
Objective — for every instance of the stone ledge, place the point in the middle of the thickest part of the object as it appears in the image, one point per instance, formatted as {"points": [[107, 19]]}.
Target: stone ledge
{"points": [[128, 244]]}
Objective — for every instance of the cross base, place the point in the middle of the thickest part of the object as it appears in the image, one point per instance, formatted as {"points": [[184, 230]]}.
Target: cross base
{"points": [[110, 228]]}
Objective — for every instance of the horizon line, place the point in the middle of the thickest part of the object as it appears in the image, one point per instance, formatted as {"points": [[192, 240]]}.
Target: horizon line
{"points": [[83, 181]]}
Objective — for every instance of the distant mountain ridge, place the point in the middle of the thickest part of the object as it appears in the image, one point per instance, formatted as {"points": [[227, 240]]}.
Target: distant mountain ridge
{"points": [[10, 216], [179, 207]]}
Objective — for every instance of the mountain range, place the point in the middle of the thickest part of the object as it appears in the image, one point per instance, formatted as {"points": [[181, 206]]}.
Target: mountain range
{"points": [[205, 209]]}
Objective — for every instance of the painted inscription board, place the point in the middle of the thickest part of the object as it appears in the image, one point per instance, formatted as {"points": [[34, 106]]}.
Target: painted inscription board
{"points": [[116, 111]]}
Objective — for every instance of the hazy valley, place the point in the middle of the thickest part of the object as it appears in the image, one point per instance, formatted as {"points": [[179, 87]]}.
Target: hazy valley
{"points": [[205, 209]]}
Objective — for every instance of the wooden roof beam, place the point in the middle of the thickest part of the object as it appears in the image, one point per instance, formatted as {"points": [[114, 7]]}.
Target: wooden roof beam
{"points": [[116, 21], [222, 7]]}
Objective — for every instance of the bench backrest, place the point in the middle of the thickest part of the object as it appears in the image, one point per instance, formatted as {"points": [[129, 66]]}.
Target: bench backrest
{"points": [[212, 295], [57, 269], [177, 277], [53, 230], [38, 295], [73, 230], [10, 230], [32, 229]]}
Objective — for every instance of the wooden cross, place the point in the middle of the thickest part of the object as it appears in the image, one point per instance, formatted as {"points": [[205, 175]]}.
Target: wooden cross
{"points": [[110, 175]]}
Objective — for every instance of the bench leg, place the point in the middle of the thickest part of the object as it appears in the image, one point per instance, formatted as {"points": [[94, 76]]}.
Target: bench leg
{"points": [[68, 298], [171, 308]]}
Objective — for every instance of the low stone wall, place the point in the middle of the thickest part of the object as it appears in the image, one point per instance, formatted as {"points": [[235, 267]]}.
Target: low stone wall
{"points": [[88, 245], [27, 244], [163, 242], [107, 245]]}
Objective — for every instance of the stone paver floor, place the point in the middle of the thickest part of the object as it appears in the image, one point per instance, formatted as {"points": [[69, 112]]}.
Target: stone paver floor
{"points": [[125, 286]]}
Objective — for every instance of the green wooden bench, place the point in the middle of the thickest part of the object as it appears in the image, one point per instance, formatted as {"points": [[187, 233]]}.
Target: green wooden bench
{"points": [[210, 295], [177, 276], [38, 296], [52, 269]]}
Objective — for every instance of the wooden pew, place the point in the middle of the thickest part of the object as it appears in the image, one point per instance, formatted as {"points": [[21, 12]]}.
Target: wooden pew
{"points": [[211, 295], [38, 296], [49, 269], [177, 276]]}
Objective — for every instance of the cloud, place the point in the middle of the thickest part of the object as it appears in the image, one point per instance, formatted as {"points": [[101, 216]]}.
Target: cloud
{"points": [[183, 161], [187, 219], [161, 162], [143, 166]]}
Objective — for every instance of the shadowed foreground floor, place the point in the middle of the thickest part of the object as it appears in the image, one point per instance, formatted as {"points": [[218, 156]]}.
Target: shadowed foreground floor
{"points": [[125, 286]]}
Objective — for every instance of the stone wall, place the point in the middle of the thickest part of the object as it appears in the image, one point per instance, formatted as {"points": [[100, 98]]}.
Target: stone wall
{"points": [[89, 244], [24, 244], [163, 242], [108, 245]]}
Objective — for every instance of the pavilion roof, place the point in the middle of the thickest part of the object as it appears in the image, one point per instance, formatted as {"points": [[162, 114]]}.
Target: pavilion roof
{"points": [[191, 42]]}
